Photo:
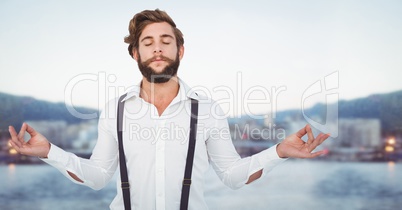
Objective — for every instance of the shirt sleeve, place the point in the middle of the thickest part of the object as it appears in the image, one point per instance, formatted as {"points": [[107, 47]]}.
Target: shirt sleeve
{"points": [[233, 170], [97, 171]]}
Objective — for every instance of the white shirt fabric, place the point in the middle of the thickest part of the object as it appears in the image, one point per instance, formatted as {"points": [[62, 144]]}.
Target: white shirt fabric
{"points": [[156, 150]]}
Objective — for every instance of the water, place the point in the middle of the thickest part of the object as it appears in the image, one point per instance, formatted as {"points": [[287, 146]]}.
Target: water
{"points": [[293, 185], [43, 187], [317, 185]]}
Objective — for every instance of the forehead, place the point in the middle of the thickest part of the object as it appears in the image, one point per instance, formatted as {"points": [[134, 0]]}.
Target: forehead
{"points": [[155, 30]]}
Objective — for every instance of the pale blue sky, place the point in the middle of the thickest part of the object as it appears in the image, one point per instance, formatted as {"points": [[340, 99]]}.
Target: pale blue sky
{"points": [[44, 45]]}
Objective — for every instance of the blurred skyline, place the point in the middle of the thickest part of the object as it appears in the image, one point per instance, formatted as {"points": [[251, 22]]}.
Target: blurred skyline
{"points": [[46, 45]]}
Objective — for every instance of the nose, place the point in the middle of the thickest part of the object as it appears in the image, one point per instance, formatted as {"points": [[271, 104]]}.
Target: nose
{"points": [[158, 49]]}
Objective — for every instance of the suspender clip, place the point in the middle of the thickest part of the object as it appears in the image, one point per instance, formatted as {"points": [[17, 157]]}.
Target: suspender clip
{"points": [[187, 182], [125, 185]]}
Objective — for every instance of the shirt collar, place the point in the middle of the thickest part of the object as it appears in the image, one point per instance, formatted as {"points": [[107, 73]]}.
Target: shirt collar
{"points": [[185, 92]]}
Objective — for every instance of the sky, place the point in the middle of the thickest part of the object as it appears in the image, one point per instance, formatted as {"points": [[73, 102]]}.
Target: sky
{"points": [[250, 56]]}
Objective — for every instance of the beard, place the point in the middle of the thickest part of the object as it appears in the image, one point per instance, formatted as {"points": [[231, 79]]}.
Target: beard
{"points": [[159, 77]]}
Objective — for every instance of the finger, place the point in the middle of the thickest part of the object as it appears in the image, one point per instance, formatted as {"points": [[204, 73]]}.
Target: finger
{"points": [[316, 154], [325, 137], [14, 137], [31, 131], [15, 146], [301, 132], [305, 154], [319, 153], [321, 138], [21, 134], [309, 134], [311, 155], [317, 141]]}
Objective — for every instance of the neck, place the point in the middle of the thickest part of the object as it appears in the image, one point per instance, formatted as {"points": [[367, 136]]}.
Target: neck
{"points": [[159, 94]]}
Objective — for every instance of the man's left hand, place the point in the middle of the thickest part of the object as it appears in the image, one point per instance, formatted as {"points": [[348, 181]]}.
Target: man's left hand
{"points": [[294, 147]]}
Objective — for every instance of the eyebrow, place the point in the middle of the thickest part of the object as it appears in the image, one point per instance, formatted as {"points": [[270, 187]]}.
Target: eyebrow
{"points": [[162, 36]]}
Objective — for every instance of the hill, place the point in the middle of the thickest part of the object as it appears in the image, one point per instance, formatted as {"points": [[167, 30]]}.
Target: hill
{"points": [[385, 107], [16, 109]]}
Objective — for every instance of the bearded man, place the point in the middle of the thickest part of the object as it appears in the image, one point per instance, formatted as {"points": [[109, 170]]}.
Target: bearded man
{"points": [[153, 140]]}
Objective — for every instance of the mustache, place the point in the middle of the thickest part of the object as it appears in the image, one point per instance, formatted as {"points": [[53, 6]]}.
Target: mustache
{"points": [[160, 57]]}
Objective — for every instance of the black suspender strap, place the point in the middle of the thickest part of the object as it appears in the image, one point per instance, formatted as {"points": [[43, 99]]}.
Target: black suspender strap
{"points": [[185, 192], [125, 185]]}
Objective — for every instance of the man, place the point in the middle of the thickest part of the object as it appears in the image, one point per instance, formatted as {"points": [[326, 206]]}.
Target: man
{"points": [[156, 128]]}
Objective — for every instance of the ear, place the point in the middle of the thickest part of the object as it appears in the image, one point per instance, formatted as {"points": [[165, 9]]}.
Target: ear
{"points": [[181, 52], [135, 54]]}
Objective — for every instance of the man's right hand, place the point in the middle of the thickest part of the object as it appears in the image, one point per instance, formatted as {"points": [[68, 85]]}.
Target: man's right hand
{"points": [[37, 145]]}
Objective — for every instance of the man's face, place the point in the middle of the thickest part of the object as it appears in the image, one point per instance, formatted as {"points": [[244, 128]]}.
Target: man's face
{"points": [[157, 55]]}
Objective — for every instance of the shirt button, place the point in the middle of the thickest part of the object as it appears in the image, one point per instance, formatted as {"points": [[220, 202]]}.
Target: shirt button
{"points": [[160, 194]]}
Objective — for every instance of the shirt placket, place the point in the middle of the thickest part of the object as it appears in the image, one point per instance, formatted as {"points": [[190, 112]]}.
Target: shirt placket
{"points": [[160, 166]]}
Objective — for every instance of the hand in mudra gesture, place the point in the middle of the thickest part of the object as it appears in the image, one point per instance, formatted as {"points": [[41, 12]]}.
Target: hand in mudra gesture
{"points": [[37, 145], [294, 147]]}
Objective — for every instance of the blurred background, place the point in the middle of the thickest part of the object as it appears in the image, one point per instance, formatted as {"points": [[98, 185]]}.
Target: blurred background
{"points": [[273, 66]]}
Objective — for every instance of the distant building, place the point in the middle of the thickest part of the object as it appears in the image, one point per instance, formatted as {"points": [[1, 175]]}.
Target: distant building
{"points": [[359, 133], [4, 137], [54, 131], [86, 137], [9, 154], [80, 136], [358, 139], [251, 136]]}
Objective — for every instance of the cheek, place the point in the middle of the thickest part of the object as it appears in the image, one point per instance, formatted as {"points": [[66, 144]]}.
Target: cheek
{"points": [[144, 55], [173, 52]]}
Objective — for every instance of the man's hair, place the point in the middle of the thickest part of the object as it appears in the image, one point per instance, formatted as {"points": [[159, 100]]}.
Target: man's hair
{"points": [[144, 18]]}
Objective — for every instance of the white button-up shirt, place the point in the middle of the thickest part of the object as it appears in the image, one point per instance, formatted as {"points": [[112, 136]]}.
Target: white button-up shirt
{"points": [[156, 150]]}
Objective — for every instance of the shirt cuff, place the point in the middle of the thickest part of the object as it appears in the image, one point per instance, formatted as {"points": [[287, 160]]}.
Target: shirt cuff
{"points": [[269, 158], [63, 161], [57, 157]]}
